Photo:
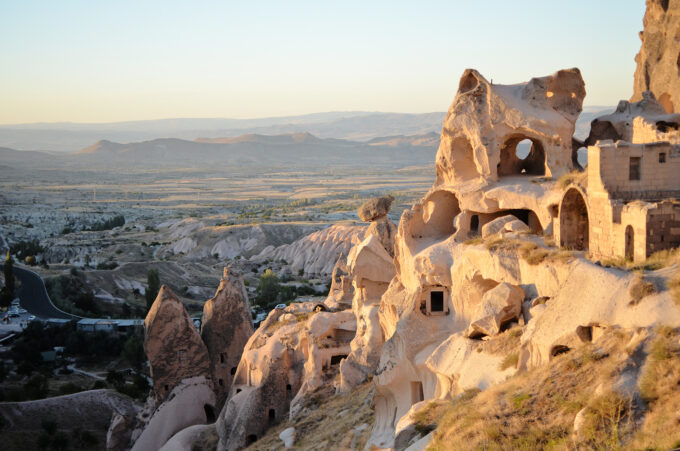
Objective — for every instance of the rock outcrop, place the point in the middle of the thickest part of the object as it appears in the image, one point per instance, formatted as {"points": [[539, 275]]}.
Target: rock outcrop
{"points": [[293, 351], [227, 325], [658, 59], [315, 253], [172, 345], [644, 121], [191, 402]]}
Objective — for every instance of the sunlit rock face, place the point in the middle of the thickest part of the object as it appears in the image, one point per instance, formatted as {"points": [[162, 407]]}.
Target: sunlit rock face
{"points": [[657, 62], [172, 344], [227, 325], [294, 351]]}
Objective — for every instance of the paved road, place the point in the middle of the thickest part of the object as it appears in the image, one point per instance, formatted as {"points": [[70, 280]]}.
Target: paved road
{"points": [[33, 296]]}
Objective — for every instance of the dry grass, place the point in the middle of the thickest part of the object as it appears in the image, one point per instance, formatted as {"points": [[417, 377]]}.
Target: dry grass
{"points": [[536, 409], [657, 260], [570, 178], [505, 343], [207, 440], [510, 361], [659, 387], [330, 425], [639, 289], [674, 285], [426, 419]]}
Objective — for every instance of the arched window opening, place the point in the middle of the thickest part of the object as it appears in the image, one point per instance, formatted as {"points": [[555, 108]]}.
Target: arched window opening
{"points": [[630, 243], [574, 222], [521, 155]]}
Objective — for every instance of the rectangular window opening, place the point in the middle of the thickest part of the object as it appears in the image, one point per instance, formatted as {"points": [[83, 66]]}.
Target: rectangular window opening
{"points": [[634, 168], [436, 301]]}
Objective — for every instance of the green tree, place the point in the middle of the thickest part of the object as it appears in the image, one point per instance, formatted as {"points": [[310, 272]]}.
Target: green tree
{"points": [[7, 293], [268, 289], [133, 351], [153, 285]]}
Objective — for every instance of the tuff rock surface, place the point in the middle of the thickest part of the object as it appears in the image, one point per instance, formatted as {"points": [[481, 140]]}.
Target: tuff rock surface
{"points": [[227, 325], [657, 61], [172, 345]]}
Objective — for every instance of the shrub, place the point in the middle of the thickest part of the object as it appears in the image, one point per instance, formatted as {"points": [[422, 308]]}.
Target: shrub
{"points": [[510, 361], [639, 289]]}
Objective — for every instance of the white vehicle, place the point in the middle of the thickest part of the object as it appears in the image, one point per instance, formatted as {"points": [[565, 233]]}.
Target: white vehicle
{"points": [[280, 306], [31, 318]]}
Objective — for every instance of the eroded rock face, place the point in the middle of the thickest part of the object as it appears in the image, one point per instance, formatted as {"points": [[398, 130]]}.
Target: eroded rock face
{"points": [[657, 61], [172, 344], [292, 352], [486, 122], [341, 291], [375, 208], [644, 121], [190, 403], [227, 326]]}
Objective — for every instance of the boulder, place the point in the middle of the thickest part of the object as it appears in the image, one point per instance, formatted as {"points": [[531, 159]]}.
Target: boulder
{"points": [[227, 326], [288, 437], [657, 61], [385, 231], [375, 208], [507, 223], [498, 306], [172, 344]]}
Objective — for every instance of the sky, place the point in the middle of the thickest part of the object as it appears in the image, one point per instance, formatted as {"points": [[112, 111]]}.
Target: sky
{"points": [[96, 61]]}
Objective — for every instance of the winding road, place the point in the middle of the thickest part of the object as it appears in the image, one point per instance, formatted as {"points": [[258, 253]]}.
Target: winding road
{"points": [[33, 296]]}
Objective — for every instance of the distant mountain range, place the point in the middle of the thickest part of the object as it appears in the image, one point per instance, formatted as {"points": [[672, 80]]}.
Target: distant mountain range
{"points": [[299, 150], [348, 125], [351, 125]]}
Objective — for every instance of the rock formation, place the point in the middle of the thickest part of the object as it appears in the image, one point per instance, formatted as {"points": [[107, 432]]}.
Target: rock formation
{"points": [[292, 352], [190, 403], [658, 63], [341, 291], [315, 253], [172, 344], [227, 325], [644, 121]]}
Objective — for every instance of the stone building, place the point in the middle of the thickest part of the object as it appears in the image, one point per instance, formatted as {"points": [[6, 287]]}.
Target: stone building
{"points": [[627, 206]]}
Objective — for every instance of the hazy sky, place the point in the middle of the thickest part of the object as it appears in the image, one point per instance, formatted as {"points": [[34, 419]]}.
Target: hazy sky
{"points": [[97, 61]]}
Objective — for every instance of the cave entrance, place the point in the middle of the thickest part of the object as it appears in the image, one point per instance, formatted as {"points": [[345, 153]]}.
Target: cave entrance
{"points": [[521, 155], [417, 392], [272, 417], [574, 222], [630, 243], [336, 359], [209, 413], [252, 438], [439, 210]]}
